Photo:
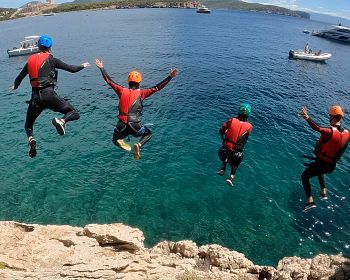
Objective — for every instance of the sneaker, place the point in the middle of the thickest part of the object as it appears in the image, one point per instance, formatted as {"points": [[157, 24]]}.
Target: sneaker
{"points": [[137, 147], [309, 206], [32, 148], [323, 196], [59, 126], [229, 181], [124, 146], [221, 172]]}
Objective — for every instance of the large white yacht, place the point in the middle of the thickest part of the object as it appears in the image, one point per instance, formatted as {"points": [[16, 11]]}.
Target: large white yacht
{"points": [[337, 32]]}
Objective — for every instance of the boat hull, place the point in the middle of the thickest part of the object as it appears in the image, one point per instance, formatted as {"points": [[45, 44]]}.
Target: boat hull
{"points": [[311, 57], [203, 12], [18, 52]]}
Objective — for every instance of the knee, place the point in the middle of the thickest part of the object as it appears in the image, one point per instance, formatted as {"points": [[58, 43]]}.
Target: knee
{"points": [[147, 131], [77, 115]]}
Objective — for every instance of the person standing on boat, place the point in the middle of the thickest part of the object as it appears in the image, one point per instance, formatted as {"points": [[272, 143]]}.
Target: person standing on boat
{"points": [[42, 70], [234, 133], [130, 108], [307, 49], [329, 149]]}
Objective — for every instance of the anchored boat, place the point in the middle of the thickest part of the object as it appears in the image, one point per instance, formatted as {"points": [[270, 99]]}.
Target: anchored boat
{"points": [[317, 56], [337, 32], [28, 46], [203, 10]]}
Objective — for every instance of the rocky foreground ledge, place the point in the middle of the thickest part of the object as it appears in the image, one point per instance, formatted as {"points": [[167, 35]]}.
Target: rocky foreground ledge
{"points": [[116, 251]]}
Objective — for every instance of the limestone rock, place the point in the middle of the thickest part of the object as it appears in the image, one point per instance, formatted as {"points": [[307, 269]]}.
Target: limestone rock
{"points": [[118, 235], [223, 257], [116, 251]]}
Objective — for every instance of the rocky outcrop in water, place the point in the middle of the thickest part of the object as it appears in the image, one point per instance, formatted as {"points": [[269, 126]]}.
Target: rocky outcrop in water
{"points": [[116, 251]]}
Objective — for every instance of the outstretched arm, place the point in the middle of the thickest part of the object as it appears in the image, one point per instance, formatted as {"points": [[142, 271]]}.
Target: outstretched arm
{"points": [[66, 67], [20, 77], [148, 92], [117, 88], [325, 131]]}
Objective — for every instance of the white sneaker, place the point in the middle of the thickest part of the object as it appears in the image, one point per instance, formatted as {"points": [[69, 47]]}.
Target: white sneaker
{"points": [[60, 126]]}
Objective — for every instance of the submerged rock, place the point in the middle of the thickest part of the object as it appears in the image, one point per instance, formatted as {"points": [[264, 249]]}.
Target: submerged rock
{"points": [[117, 251]]}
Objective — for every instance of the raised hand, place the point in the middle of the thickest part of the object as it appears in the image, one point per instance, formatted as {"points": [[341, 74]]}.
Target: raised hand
{"points": [[98, 63], [86, 64], [173, 72], [303, 113]]}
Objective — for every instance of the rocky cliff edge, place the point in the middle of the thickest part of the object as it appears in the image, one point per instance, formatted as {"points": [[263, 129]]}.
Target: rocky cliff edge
{"points": [[116, 251]]}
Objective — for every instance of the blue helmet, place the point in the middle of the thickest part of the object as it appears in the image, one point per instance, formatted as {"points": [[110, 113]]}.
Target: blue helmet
{"points": [[45, 41]]}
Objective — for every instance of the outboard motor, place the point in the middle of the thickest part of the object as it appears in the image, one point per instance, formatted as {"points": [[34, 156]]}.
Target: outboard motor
{"points": [[291, 54]]}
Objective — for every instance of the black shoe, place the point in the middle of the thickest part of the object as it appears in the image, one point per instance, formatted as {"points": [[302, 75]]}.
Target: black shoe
{"points": [[32, 148], [221, 172], [309, 206], [59, 126]]}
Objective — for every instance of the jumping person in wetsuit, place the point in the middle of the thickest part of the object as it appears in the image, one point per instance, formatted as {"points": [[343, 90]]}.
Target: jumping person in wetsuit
{"points": [[130, 108], [41, 68], [234, 133], [329, 148]]}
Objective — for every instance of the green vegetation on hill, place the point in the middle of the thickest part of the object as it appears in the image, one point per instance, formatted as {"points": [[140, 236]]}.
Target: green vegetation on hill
{"points": [[240, 5], [5, 13], [123, 4]]}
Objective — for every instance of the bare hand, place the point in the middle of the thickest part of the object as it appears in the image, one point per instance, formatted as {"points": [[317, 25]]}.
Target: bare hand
{"points": [[173, 72], [86, 64], [12, 88], [98, 63], [303, 113]]}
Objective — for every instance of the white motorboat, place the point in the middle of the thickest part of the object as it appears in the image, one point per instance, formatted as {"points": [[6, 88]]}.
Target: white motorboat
{"points": [[203, 10], [316, 56], [28, 46], [337, 32]]}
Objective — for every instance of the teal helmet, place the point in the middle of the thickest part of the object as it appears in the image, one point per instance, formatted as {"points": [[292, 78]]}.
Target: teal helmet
{"points": [[245, 109]]}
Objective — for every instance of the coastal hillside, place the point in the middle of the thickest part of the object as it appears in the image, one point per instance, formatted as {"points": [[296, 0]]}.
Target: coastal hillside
{"points": [[241, 5], [231, 4], [116, 251]]}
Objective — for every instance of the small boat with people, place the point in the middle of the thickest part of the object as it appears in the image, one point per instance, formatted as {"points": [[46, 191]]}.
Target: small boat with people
{"points": [[337, 32], [28, 46], [312, 56], [203, 10]]}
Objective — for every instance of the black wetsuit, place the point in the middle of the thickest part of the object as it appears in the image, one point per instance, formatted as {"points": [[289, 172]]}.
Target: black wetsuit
{"points": [[46, 97]]}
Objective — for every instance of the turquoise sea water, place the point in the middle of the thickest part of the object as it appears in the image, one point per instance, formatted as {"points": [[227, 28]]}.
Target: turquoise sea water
{"points": [[173, 193]]}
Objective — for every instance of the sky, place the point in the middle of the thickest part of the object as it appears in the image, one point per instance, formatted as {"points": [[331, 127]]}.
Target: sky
{"points": [[338, 8]]}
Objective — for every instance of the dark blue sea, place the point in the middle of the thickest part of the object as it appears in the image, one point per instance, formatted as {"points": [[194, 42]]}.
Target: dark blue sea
{"points": [[173, 193]]}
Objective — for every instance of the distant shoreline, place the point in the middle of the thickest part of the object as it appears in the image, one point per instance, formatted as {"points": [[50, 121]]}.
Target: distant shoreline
{"points": [[37, 10]]}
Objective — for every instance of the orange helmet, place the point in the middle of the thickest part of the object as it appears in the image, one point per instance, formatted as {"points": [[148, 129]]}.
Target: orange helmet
{"points": [[135, 76], [336, 110]]}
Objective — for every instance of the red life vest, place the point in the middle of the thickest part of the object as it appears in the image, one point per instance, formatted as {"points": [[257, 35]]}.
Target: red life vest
{"points": [[237, 134], [331, 150], [130, 105], [41, 72]]}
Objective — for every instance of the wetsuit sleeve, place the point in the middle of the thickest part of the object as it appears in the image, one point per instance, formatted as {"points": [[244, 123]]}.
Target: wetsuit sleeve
{"points": [[325, 131], [66, 67], [149, 91], [117, 88], [21, 76]]}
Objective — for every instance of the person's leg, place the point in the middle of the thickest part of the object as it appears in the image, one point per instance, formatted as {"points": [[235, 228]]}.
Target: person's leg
{"points": [[120, 132], [322, 181], [325, 168], [33, 112], [57, 104], [140, 131], [235, 160], [223, 155]]}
